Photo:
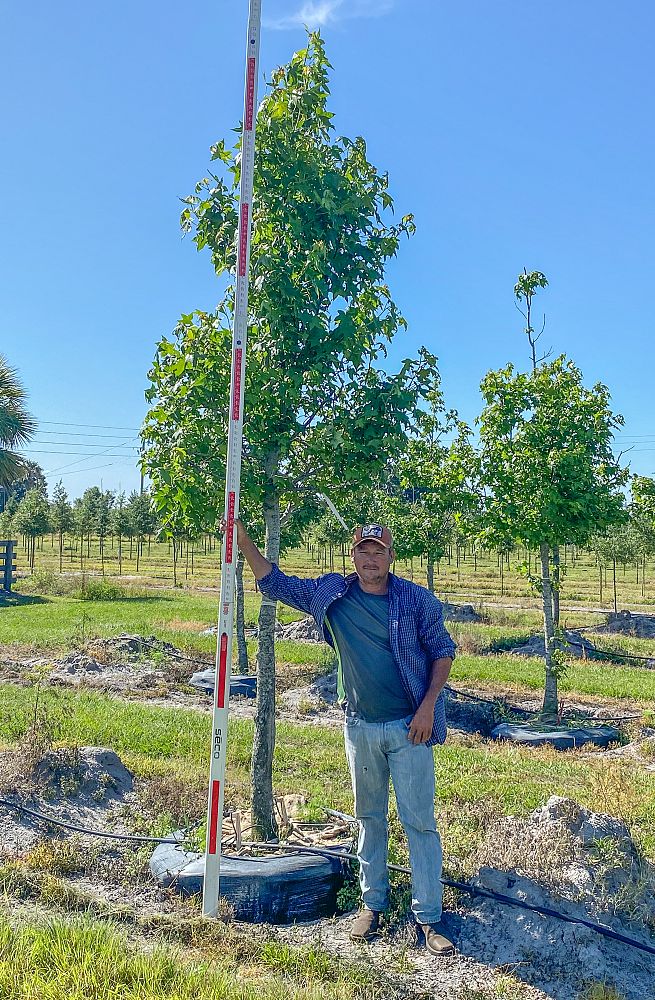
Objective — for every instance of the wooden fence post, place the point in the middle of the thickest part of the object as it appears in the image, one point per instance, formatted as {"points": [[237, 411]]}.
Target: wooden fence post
{"points": [[7, 564]]}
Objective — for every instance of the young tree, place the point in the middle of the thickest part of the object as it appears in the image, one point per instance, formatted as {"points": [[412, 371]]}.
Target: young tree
{"points": [[642, 512], [85, 513], [620, 544], [17, 426], [61, 517], [319, 413], [431, 484], [143, 519], [32, 519], [548, 470], [105, 503], [120, 525]]}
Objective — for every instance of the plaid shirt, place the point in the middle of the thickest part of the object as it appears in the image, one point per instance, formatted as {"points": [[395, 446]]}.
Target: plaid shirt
{"points": [[416, 629]]}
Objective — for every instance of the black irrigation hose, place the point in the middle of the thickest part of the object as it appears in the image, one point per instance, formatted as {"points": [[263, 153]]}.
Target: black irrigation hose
{"points": [[545, 911], [134, 838], [609, 654], [158, 649], [525, 711], [487, 701]]}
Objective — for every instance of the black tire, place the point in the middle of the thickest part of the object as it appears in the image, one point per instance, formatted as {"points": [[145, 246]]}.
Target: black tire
{"points": [[276, 890]]}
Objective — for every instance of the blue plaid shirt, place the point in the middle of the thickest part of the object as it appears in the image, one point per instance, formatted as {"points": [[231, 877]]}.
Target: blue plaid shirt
{"points": [[416, 629]]}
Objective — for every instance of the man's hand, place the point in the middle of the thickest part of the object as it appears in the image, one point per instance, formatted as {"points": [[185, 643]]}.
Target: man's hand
{"points": [[420, 728], [259, 565], [242, 535]]}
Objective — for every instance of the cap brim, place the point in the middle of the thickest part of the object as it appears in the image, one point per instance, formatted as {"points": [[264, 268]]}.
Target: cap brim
{"points": [[376, 540]]}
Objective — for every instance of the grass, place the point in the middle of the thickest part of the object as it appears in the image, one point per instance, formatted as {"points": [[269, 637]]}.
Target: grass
{"points": [[498, 778], [83, 959], [61, 622], [591, 677]]}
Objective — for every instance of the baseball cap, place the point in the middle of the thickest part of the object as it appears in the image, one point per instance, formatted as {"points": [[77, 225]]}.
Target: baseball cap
{"points": [[372, 533]]}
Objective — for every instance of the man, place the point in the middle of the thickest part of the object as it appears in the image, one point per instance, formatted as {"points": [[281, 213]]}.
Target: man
{"points": [[394, 658]]}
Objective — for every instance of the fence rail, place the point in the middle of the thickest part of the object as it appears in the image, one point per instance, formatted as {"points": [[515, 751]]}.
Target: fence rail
{"points": [[7, 563]]}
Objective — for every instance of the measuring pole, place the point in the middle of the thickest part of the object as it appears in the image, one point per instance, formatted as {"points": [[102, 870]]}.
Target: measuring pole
{"points": [[232, 477]]}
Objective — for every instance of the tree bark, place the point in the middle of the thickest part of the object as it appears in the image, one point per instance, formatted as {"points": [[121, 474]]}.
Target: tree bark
{"points": [[263, 818], [549, 709], [556, 585], [242, 648], [429, 562]]}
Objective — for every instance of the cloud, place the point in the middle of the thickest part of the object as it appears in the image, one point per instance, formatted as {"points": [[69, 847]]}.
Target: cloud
{"points": [[320, 13]]}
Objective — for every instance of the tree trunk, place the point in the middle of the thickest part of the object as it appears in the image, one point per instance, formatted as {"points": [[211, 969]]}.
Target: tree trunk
{"points": [[614, 585], [600, 577], [242, 648], [61, 551], [138, 550], [120, 555], [549, 709], [429, 562], [261, 772], [556, 586]]}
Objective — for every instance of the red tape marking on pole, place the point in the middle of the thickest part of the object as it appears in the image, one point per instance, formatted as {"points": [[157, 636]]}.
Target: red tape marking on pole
{"points": [[243, 239], [229, 528], [222, 673], [250, 93], [236, 396], [213, 824]]}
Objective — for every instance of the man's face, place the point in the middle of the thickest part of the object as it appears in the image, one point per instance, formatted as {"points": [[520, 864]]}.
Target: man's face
{"points": [[372, 561]]}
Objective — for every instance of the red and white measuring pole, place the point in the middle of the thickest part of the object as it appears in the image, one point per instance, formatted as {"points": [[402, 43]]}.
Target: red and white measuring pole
{"points": [[233, 476]]}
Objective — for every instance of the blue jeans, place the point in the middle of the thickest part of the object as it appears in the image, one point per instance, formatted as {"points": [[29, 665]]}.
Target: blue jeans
{"points": [[377, 751]]}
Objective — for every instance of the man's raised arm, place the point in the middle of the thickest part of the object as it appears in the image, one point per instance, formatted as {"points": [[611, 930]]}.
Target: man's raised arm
{"points": [[260, 566]]}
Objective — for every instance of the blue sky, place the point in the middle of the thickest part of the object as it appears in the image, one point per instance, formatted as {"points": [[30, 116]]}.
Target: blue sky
{"points": [[518, 134]]}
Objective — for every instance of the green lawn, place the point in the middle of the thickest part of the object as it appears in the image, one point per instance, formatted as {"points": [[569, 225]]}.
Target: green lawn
{"points": [[177, 616]]}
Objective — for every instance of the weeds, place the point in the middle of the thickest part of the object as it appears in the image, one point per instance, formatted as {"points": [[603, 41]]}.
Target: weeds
{"points": [[80, 957], [601, 991]]}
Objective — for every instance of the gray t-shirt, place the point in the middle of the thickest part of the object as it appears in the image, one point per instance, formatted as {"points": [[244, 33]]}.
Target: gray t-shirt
{"points": [[372, 683]]}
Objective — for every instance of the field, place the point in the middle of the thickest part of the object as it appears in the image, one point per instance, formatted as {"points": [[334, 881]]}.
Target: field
{"points": [[160, 731]]}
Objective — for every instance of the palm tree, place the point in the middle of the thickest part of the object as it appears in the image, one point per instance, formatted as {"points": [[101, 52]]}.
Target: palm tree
{"points": [[16, 425]]}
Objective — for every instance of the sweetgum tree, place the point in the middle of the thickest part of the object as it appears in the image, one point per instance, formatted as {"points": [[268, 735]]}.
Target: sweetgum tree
{"points": [[320, 414], [548, 470]]}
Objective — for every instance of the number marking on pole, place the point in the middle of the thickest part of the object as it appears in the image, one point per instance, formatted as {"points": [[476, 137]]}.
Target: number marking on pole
{"points": [[232, 478]]}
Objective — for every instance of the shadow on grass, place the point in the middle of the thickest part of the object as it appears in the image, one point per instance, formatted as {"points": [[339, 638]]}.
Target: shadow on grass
{"points": [[13, 600]]}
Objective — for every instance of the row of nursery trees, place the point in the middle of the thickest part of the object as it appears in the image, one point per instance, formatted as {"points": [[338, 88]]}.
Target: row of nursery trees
{"points": [[324, 416], [99, 515], [96, 514]]}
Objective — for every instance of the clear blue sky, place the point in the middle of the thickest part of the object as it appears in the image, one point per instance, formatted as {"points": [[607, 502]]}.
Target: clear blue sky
{"points": [[519, 134]]}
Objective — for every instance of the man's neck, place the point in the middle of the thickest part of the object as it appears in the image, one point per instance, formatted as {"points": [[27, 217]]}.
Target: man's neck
{"points": [[380, 588]]}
